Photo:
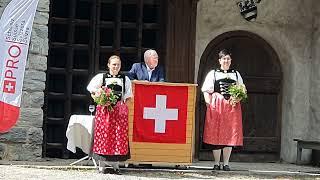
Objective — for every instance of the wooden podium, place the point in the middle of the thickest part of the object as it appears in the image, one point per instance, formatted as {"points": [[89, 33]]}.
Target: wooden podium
{"points": [[176, 153]]}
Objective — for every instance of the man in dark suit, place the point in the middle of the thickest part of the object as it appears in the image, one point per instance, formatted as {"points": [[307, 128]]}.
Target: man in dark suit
{"points": [[149, 70]]}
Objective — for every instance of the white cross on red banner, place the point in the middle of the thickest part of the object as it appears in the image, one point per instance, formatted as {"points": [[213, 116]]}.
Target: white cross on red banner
{"points": [[160, 113]]}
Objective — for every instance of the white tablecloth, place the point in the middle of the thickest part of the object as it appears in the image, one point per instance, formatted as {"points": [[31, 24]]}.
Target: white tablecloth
{"points": [[80, 133]]}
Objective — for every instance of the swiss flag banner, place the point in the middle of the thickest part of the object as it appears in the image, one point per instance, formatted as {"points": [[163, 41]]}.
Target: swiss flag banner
{"points": [[160, 113]]}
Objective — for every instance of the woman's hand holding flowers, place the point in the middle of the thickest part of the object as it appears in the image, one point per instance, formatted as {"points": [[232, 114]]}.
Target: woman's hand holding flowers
{"points": [[238, 92]]}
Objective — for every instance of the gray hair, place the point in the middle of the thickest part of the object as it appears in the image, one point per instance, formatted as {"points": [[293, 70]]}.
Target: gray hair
{"points": [[149, 53]]}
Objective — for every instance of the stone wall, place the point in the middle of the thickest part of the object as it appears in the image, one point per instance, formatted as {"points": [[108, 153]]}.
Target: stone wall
{"points": [[287, 25], [24, 140], [315, 75]]}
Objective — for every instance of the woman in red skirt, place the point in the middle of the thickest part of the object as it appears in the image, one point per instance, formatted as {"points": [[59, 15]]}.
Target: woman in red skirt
{"points": [[111, 142], [223, 123]]}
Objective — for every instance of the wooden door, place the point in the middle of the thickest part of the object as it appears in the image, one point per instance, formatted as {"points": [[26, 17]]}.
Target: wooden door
{"points": [[260, 68], [82, 35]]}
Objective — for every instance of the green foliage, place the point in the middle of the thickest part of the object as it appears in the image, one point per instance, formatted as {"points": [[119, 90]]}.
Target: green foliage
{"points": [[238, 91]]}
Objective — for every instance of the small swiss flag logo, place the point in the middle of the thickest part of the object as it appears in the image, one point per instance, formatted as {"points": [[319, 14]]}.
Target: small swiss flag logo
{"points": [[9, 86]]}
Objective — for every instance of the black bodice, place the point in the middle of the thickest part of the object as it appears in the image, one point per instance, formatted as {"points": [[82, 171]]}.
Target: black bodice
{"points": [[117, 88], [222, 85]]}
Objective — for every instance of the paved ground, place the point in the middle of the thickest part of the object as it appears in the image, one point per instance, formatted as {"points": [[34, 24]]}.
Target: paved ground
{"points": [[59, 169]]}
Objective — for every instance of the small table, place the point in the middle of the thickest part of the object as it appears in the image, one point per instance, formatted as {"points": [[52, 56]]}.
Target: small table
{"points": [[80, 134]]}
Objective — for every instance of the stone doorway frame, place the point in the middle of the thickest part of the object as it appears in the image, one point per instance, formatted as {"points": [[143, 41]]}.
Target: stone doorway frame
{"points": [[211, 45]]}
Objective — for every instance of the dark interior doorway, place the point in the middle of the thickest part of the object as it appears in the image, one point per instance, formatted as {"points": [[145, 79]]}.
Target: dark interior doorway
{"points": [[260, 68]]}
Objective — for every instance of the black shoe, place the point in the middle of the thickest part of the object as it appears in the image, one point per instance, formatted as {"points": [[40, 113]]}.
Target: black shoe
{"points": [[108, 171], [226, 168], [216, 167], [117, 171]]}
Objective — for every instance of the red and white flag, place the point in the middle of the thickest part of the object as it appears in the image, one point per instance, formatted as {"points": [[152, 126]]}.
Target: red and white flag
{"points": [[160, 114], [15, 32]]}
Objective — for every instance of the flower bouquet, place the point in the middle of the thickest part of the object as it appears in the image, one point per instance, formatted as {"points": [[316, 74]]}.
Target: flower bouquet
{"points": [[105, 96], [238, 92]]}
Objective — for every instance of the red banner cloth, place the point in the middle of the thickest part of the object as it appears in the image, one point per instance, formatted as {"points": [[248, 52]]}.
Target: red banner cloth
{"points": [[160, 113]]}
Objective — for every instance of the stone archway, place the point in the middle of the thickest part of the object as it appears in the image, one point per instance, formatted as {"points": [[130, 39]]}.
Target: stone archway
{"points": [[260, 68]]}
